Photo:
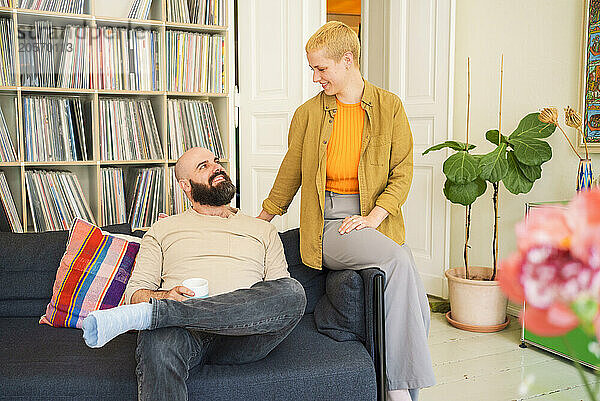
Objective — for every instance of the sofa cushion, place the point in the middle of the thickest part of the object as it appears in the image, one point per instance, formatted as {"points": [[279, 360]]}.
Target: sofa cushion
{"points": [[28, 268], [92, 274], [55, 363], [340, 313]]}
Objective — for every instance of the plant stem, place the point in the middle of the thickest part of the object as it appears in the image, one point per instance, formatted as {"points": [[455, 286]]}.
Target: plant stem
{"points": [[500, 112], [587, 155], [468, 208], [579, 370], [495, 185], [468, 97], [568, 140], [468, 228]]}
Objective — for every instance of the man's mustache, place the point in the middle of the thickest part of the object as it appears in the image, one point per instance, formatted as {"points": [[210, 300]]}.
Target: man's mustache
{"points": [[215, 175]]}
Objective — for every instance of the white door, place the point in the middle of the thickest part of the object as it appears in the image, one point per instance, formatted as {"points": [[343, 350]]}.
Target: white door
{"points": [[274, 79], [421, 72]]}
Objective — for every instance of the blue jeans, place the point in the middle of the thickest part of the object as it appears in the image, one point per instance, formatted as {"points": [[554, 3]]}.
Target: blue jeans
{"points": [[234, 328]]}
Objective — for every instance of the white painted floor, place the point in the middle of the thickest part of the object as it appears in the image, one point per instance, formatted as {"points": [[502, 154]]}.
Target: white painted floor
{"points": [[489, 367]]}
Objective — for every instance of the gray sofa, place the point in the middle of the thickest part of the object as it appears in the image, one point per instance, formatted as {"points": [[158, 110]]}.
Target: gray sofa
{"points": [[38, 362]]}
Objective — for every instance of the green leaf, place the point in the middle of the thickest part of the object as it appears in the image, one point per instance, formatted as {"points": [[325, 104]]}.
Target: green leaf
{"points": [[492, 136], [493, 165], [531, 127], [449, 144], [461, 167], [514, 180], [464, 194], [585, 308], [531, 151], [531, 172]]}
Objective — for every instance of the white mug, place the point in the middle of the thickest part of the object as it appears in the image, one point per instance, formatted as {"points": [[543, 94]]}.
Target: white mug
{"points": [[198, 285]]}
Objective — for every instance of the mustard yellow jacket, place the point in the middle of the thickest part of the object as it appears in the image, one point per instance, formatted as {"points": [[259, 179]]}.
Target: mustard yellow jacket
{"points": [[384, 172]]}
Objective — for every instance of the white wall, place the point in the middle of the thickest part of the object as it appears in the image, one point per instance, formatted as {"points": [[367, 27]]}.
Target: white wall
{"points": [[540, 40]]}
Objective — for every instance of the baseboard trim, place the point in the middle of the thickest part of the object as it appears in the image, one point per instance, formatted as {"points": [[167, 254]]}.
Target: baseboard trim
{"points": [[513, 309]]}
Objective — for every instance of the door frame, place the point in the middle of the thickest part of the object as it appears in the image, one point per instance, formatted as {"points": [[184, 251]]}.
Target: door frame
{"points": [[380, 75]]}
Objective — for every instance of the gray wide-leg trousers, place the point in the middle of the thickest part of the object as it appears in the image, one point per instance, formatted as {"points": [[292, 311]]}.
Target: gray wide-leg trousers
{"points": [[407, 315]]}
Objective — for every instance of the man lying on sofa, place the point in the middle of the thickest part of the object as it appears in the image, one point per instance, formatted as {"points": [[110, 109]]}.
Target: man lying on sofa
{"points": [[253, 302]]}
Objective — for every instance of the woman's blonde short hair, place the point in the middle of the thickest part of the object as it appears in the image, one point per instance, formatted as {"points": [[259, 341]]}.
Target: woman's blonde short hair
{"points": [[336, 38]]}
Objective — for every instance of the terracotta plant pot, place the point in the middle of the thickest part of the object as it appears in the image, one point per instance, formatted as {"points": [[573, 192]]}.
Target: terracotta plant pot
{"points": [[476, 304]]}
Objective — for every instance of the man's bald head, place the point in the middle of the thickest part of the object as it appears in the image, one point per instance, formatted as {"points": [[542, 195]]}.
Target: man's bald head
{"points": [[203, 179], [190, 160]]}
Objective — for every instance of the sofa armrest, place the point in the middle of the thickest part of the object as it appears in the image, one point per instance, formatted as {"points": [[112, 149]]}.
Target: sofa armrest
{"points": [[374, 284], [352, 309]]}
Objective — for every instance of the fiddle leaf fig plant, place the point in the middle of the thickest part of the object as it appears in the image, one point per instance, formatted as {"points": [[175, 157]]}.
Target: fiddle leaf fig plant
{"points": [[516, 161], [518, 158], [461, 169], [463, 183]]}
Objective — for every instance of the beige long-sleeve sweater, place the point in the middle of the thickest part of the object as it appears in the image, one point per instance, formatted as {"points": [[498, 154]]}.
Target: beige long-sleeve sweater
{"points": [[231, 253]]}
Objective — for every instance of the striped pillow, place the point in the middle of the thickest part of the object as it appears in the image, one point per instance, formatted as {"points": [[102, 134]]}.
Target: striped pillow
{"points": [[92, 274]]}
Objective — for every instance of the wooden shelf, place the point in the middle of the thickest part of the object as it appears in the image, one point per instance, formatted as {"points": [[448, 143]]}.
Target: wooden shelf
{"points": [[130, 162], [195, 27], [129, 92], [60, 163], [173, 161], [42, 13], [195, 94], [128, 22], [26, 17], [61, 91], [89, 172]]}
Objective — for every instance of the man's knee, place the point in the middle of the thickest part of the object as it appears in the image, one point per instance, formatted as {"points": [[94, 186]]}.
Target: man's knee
{"points": [[294, 294], [290, 293]]}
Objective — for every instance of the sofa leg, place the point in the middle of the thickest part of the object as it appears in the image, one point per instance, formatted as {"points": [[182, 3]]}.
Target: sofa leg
{"points": [[379, 337]]}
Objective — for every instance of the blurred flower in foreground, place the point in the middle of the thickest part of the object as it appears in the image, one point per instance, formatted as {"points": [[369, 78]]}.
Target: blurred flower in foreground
{"points": [[556, 269]]}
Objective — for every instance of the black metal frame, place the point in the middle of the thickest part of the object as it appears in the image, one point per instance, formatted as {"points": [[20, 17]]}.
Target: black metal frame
{"points": [[379, 343]]}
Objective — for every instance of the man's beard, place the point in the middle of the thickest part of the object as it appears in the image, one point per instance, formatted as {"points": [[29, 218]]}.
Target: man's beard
{"points": [[218, 195]]}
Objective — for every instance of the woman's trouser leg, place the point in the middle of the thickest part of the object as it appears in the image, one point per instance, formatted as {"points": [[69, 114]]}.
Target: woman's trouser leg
{"points": [[407, 315]]}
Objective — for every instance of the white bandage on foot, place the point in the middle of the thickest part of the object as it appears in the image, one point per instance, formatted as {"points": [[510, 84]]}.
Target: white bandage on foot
{"points": [[101, 326]]}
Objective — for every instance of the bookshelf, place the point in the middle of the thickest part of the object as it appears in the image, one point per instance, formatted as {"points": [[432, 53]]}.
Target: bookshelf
{"points": [[99, 14]]}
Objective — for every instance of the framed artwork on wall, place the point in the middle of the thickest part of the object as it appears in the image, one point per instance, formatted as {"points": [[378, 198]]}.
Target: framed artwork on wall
{"points": [[590, 76]]}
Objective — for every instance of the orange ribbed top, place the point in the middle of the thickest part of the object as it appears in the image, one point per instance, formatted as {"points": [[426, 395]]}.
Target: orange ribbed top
{"points": [[343, 149]]}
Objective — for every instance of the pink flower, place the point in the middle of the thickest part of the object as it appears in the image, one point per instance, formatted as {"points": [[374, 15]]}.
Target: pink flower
{"points": [[558, 261], [584, 210], [545, 226], [583, 216], [551, 275], [553, 321], [553, 318], [545, 275], [509, 278], [585, 245]]}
